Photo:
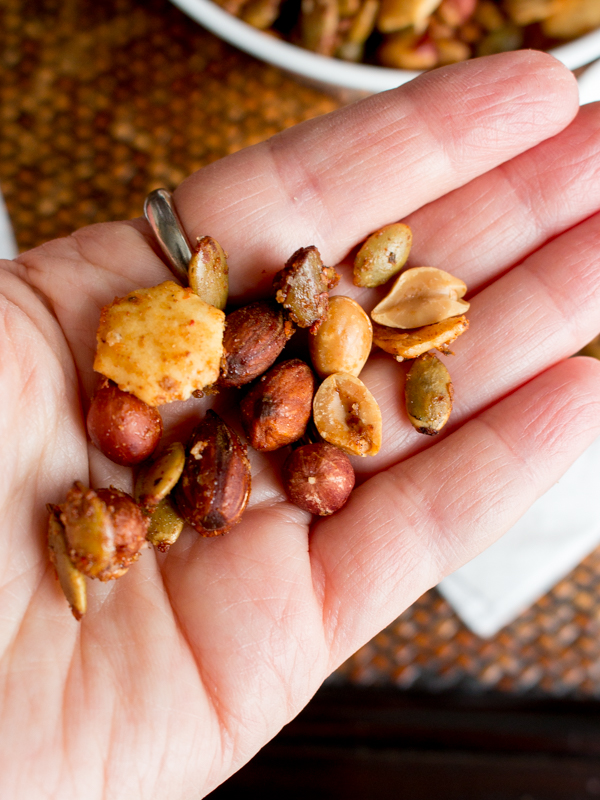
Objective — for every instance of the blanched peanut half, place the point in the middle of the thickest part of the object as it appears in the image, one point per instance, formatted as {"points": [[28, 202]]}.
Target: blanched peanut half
{"points": [[428, 391], [410, 344], [383, 254], [343, 341], [347, 415], [421, 296]]}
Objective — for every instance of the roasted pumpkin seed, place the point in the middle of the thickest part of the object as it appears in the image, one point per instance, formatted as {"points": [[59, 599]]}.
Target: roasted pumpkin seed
{"points": [[165, 526], [428, 391], [157, 478], [382, 255], [71, 580], [89, 530], [208, 273]]}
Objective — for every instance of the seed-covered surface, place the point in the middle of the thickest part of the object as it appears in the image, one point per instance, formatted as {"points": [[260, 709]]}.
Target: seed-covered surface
{"points": [[215, 484], [347, 415], [208, 273], [428, 391], [421, 296], [161, 344], [383, 254], [254, 336], [343, 341], [318, 478], [302, 287], [71, 580], [122, 426], [276, 410], [156, 479], [412, 343]]}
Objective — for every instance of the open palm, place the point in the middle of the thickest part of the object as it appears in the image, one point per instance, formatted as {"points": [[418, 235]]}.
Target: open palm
{"points": [[183, 669]]}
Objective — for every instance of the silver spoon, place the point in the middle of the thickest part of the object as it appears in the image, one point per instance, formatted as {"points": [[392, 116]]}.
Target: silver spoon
{"points": [[160, 212]]}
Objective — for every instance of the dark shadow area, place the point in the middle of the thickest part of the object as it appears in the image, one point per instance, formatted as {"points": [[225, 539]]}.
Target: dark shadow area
{"points": [[365, 743]]}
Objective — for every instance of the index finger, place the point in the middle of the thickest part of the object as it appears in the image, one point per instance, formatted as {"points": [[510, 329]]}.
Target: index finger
{"points": [[332, 181], [327, 182]]}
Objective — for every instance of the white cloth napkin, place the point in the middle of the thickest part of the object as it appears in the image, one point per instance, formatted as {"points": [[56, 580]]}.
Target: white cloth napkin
{"points": [[8, 245], [589, 84], [557, 532]]}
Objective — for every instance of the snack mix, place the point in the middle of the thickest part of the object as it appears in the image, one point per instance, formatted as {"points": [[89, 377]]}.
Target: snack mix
{"points": [[168, 343], [418, 34]]}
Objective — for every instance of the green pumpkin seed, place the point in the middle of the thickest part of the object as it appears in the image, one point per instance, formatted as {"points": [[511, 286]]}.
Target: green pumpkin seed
{"points": [[89, 530], [382, 255], [428, 391], [157, 478], [208, 273], [165, 526], [72, 582]]}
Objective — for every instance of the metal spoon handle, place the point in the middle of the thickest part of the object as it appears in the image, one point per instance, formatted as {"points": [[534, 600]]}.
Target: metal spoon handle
{"points": [[159, 210]]}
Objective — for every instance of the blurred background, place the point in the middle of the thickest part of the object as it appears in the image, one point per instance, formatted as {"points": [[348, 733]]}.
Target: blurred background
{"points": [[101, 102]]}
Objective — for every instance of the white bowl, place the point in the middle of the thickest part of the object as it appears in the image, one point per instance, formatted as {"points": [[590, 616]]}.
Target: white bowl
{"points": [[332, 71]]}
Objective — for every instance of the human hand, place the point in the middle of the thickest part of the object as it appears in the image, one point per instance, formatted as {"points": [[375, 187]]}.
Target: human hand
{"points": [[184, 668]]}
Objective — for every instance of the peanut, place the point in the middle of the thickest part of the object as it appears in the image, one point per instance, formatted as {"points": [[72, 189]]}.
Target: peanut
{"points": [[347, 415], [343, 341], [421, 296]]}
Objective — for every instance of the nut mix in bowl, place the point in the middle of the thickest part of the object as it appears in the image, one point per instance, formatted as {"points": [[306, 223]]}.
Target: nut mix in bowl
{"points": [[169, 343], [334, 74], [418, 34]]}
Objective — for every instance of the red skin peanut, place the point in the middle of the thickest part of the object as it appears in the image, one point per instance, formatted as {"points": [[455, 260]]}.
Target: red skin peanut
{"points": [[276, 410], [214, 487], [254, 336], [131, 527], [318, 478], [123, 427]]}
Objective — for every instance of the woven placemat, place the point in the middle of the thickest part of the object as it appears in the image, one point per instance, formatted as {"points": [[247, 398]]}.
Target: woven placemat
{"points": [[101, 103], [551, 649]]}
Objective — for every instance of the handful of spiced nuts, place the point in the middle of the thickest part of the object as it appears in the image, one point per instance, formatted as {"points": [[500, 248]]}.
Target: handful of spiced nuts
{"points": [[170, 342]]}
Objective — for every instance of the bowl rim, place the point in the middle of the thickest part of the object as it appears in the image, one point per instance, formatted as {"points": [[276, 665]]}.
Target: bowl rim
{"points": [[345, 74]]}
